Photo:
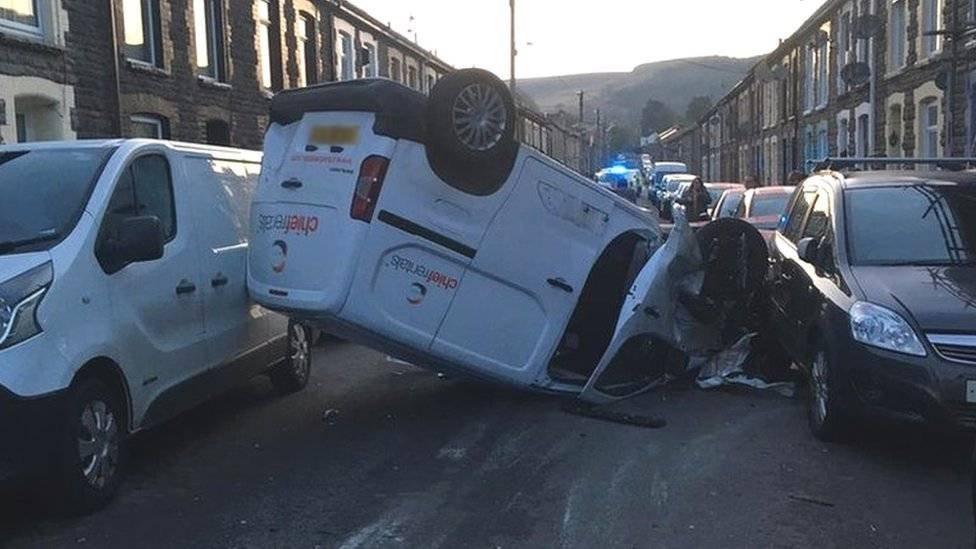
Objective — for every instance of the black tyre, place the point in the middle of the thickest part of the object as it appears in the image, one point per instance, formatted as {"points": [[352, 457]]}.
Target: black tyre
{"points": [[471, 138], [825, 408], [92, 448], [292, 374]]}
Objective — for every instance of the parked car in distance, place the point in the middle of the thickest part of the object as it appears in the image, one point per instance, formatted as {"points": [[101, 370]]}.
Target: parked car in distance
{"points": [[728, 203], [123, 301], [450, 248], [763, 207], [873, 291], [656, 177], [671, 190], [715, 192]]}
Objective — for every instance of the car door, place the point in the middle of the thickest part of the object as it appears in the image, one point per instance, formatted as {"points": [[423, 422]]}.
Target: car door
{"points": [[221, 195], [787, 278], [809, 278], [518, 294], [157, 305]]}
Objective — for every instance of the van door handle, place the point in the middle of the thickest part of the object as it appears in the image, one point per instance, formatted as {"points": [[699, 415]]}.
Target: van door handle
{"points": [[293, 183], [219, 280], [186, 287], [561, 284]]}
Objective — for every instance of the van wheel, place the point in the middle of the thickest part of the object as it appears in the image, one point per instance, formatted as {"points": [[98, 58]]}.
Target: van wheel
{"points": [[292, 374], [824, 410], [471, 139], [92, 449]]}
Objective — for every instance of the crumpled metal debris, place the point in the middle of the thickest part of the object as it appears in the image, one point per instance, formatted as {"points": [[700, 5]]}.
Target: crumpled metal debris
{"points": [[727, 368]]}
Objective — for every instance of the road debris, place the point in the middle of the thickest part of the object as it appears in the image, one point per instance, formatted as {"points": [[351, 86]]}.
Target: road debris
{"points": [[728, 368], [808, 499], [330, 416], [601, 412]]}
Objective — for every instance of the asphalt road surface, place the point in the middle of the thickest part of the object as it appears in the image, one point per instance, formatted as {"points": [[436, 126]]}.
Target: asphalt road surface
{"points": [[413, 460]]}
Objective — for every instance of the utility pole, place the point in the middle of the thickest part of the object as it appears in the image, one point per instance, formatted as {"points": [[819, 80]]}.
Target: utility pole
{"points": [[580, 94], [514, 51]]}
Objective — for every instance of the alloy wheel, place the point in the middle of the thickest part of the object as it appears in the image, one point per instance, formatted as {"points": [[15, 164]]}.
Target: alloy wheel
{"points": [[819, 387], [98, 443], [479, 117], [300, 355]]}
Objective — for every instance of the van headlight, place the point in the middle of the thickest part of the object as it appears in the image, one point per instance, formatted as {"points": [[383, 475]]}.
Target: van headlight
{"points": [[881, 327], [19, 299]]}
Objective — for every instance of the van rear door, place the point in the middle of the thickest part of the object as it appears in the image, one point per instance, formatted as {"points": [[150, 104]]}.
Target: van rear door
{"points": [[304, 244]]}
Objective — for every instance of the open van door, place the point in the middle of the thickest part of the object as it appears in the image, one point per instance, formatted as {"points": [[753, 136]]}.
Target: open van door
{"points": [[651, 323]]}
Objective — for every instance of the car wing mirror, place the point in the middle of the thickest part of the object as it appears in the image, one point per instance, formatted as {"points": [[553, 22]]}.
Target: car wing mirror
{"points": [[806, 249], [139, 239]]}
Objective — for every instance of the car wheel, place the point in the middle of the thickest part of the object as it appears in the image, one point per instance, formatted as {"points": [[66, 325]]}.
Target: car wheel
{"points": [[471, 140], [92, 449], [292, 374], [823, 404]]}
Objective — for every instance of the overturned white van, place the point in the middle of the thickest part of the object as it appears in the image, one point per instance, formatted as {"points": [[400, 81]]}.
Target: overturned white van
{"points": [[420, 227]]}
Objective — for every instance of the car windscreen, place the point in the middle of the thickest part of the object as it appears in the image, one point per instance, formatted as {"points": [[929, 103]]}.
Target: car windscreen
{"points": [[768, 204], [730, 204], [43, 192], [673, 185], [936, 225]]}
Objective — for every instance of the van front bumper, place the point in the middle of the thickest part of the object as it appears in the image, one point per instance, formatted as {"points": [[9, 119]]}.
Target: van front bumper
{"points": [[29, 430]]}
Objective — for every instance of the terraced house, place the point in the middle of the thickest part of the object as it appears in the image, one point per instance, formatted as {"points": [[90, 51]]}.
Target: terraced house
{"points": [[891, 78], [195, 70]]}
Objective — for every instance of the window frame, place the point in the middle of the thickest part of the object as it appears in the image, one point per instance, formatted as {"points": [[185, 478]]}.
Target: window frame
{"points": [[307, 49], [152, 33], [347, 57], [150, 119], [929, 128], [902, 37], [38, 31], [213, 24], [809, 188], [396, 75], [927, 18], [372, 68]]}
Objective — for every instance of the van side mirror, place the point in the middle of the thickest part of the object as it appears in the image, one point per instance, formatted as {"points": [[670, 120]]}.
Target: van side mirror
{"points": [[807, 250], [139, 239]]}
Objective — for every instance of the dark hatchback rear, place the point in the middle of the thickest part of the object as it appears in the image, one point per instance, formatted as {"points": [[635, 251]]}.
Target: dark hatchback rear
{"points": [[874, 291]]}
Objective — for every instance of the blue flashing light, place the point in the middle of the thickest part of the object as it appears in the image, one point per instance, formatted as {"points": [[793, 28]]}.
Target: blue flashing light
{"points": [[618, 170]]}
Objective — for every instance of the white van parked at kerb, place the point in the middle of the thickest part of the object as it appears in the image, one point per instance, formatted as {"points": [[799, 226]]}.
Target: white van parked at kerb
{"points": [[421, 227], [123, 300]]}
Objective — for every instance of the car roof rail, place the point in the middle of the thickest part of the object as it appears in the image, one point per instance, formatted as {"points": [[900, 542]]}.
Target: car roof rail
{"points": [[876, 163]]}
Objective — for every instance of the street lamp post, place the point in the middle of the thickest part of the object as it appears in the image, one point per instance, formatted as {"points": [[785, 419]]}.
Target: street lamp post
{"points": [[514, 51]]}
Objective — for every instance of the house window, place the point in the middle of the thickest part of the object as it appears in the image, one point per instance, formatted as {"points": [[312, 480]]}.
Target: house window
{"points": [[823, 73], [265, 34], [38, 118], [897, 34], [308, 66], [430, 82], [843, 48], [208, 29], [140, 19], [809, 81], [863, 135], [218, 132], [894, 136], [929, 135], [412, 77], [346, 57], [370, 70], [148, 126], [843, 138], [396, 72], [22, 15], [931, 18]]}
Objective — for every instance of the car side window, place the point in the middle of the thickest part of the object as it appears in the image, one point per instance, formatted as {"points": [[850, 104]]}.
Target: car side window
{"points": [[819, 219], [798, 215], [154, 191], [740, 210]]}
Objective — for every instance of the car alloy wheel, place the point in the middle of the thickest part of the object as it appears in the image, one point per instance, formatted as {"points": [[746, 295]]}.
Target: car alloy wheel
{"points": [[300, 357], [98, 443], [479, 117], [819, 388]]}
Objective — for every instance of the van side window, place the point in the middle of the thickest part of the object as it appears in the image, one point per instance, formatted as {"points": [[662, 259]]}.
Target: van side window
{"points": [[154, 191], [804, 202]]}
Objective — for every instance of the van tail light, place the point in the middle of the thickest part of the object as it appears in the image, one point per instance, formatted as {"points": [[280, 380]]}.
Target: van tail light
{"points": [[368, 186]]}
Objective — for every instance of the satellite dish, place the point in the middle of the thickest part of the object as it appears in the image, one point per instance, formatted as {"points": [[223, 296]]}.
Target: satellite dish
{"points": [[778, 72], [763, 72], [819, 39], [715, 121], [856, 74], [867, 26]]}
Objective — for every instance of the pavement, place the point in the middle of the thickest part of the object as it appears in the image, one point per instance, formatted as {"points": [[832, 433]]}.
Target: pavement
{"points": [[381, 454]]}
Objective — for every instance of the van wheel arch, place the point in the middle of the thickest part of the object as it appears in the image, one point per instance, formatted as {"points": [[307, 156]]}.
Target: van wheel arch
{"points": [[108, 372]]}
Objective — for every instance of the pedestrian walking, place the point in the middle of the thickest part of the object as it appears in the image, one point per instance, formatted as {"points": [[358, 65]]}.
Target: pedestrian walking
{"points": [[696, 200]]}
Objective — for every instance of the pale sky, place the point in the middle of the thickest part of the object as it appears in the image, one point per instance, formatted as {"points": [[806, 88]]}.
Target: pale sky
{"points": [[579, 36]]}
